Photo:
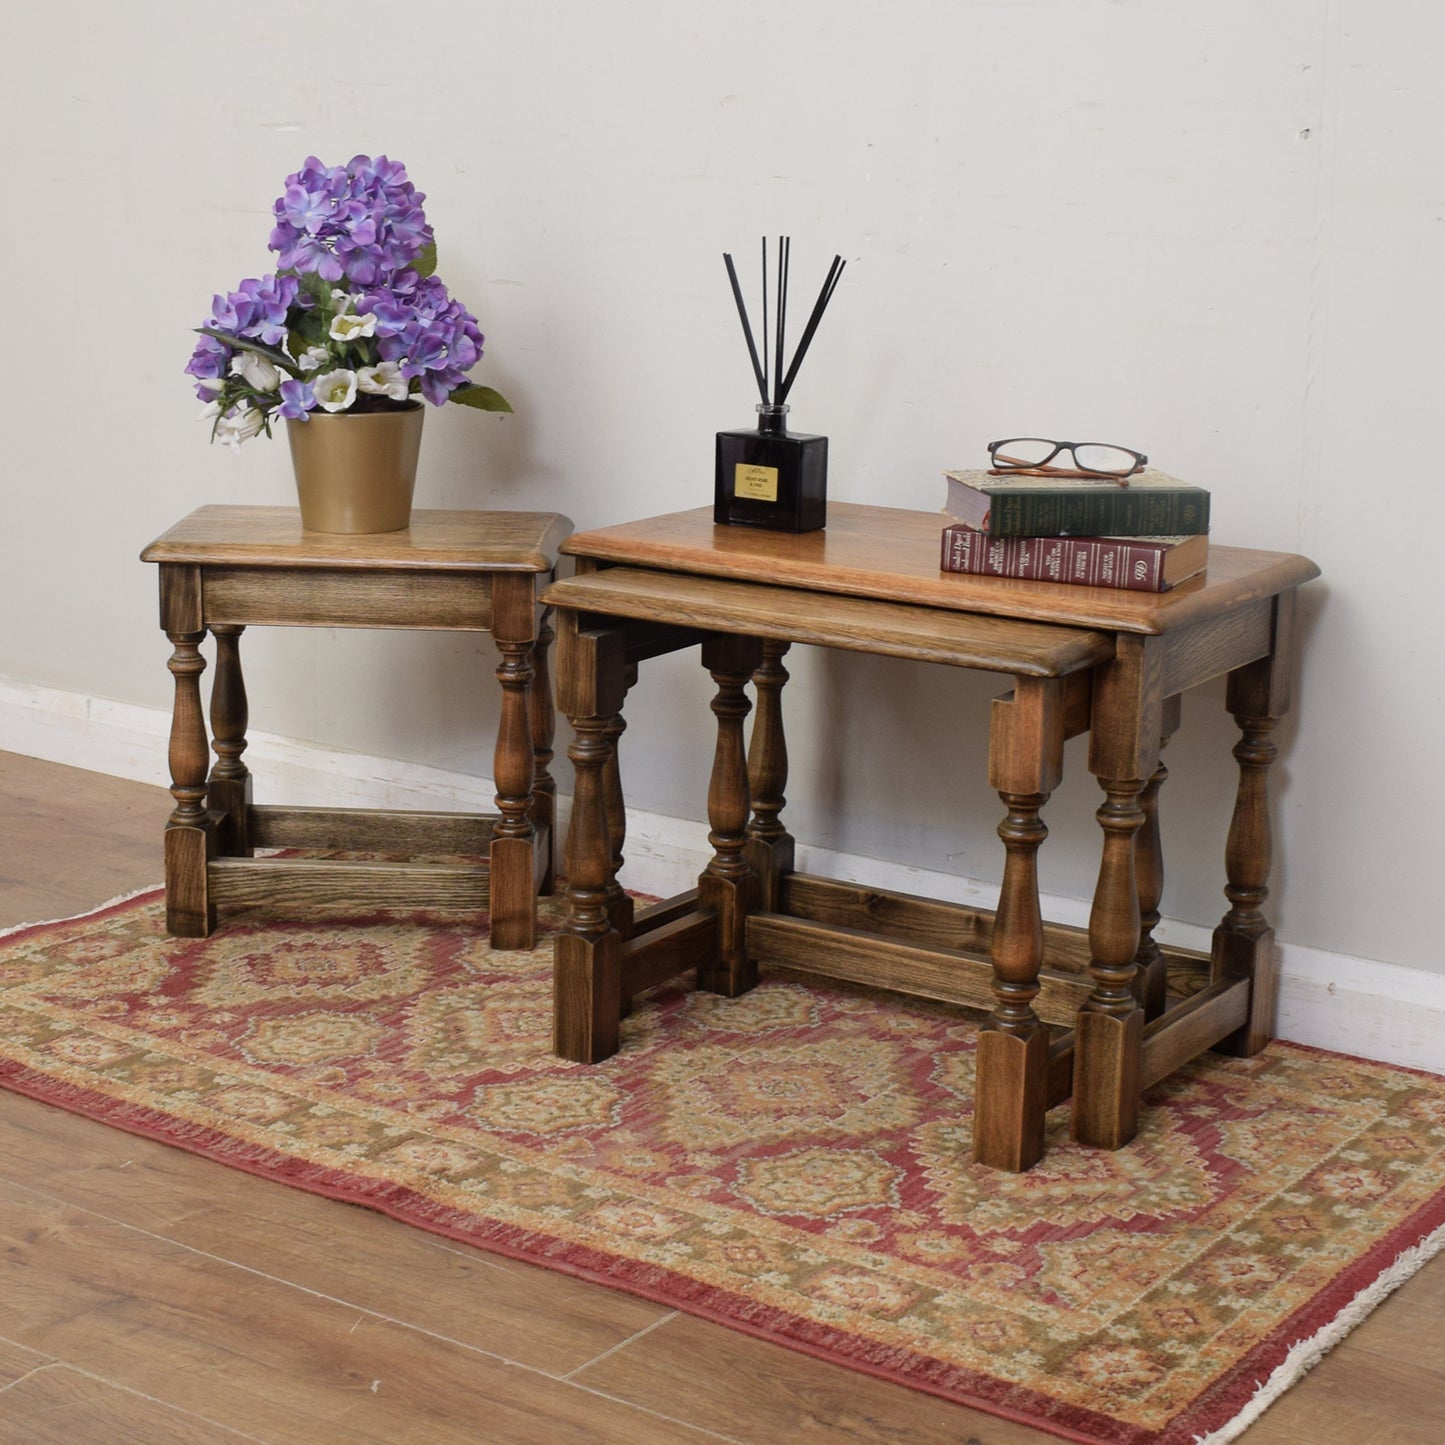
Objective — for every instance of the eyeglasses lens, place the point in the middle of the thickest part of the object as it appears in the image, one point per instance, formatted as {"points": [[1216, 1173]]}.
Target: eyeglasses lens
{"points": [[1112, 461], [1024, 452]]}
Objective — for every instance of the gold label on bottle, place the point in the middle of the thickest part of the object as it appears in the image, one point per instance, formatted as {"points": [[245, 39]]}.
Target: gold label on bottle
{"points": [[758, 483]]}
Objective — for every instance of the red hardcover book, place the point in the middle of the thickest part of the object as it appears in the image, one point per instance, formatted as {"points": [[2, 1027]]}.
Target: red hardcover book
{"points": [[1138, 564]]}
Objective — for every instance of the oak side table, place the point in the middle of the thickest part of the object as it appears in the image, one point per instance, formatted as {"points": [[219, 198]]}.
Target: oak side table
{"points": [[223, 569], [1074, 1012]]}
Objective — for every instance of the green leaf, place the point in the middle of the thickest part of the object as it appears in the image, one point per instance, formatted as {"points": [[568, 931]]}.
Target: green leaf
{"points": [[426, 264], [309, 330], [483, 398], [272, 354], [317, 289]]}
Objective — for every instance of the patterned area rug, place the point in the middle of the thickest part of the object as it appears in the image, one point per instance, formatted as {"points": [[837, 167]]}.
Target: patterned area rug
{"points": [[793, 1163]]}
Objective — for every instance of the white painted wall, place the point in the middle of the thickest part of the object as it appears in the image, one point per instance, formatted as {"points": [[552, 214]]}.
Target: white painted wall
{"points": [[1210, 231]]}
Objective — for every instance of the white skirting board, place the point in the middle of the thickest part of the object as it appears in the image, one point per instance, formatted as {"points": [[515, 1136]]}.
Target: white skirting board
{"points": [[1331, 1001]]}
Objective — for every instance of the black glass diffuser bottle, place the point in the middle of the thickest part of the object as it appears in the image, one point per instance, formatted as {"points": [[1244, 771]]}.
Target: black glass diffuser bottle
{"points": [[772, 477]]}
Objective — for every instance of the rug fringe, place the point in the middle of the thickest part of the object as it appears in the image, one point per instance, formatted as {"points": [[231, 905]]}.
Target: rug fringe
{"points": [[1306, 1354], [12, 929]]}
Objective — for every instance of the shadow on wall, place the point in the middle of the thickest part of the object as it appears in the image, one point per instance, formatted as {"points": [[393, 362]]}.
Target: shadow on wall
{"points": [[891, 755]]}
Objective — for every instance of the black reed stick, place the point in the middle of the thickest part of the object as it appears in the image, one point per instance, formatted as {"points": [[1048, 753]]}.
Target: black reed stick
{"points": [[785, 251], [782, 381], [830, 284], [765, 321], [747, 329]]}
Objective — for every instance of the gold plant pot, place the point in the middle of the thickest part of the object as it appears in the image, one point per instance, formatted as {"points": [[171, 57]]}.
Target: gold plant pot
{"points": [[356, 472]]}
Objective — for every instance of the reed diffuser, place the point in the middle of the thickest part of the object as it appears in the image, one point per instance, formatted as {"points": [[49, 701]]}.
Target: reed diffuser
{"points": [[772, 477]]}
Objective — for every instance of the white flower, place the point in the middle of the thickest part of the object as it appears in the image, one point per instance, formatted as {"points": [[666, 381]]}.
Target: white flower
{"points": [[383, 379], [239, 425], [335, 390], [212, 383], [255, 371], [350, 327], [313, 357]]}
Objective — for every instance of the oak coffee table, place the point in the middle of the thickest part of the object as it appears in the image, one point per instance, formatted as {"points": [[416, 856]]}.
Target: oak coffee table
{"points": [[223, 569], [1073, 1012]]}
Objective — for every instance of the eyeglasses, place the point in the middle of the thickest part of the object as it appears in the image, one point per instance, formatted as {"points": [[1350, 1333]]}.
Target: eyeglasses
{"points": [[1032, 456]]}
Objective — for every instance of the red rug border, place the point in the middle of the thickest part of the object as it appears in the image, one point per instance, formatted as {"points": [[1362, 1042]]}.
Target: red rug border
{"points": [[1209, 1413]]}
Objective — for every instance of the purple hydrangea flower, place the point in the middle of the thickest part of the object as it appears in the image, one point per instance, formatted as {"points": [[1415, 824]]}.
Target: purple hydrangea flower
{"points": [[431, 335], [256, 308], [359, 222], [210, 361], [272, 297], [297, 399]]}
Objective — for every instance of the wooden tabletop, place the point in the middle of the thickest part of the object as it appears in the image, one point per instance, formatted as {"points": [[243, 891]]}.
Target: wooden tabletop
{"points": [[471, 541], [790, 614], [887, 553]]}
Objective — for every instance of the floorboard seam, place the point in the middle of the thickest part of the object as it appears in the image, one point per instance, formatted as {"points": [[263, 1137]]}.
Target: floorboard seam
{"points": [[71, 1368], [620, 1345], [378, 1316], [30, 1374]]}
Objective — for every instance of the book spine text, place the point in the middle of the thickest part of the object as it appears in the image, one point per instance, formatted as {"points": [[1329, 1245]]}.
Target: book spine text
{"points": [[1082, 561]]}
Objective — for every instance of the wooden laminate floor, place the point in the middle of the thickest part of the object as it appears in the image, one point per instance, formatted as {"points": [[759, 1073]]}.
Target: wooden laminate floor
{"points": [[150, 1296]]}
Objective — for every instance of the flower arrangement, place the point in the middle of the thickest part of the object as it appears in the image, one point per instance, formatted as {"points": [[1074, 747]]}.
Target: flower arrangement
{"points": [[354, 318]]}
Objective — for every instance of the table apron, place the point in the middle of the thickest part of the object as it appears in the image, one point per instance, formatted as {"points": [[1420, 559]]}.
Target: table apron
{"points": [[445, 601], [1207, 649], [654, 632]]}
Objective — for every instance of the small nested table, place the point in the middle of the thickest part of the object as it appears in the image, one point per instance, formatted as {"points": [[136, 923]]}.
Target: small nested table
{"points": [[223, 569], [1072, 1011]]}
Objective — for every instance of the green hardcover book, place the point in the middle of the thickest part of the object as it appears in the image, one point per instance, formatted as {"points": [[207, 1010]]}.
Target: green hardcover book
{"points": [[1154, 504]]}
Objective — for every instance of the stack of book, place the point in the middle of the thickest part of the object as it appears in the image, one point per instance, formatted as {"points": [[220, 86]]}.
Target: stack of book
{"points": [[1089, 531]]}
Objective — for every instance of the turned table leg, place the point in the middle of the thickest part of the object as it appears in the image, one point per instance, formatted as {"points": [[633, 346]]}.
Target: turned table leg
{"points": [[621, 908], [228, 790], [1243, 945], [543, 719], [1011, 1090], [1126, 722], [587, 971], [619, 905], [1109, 1029], [190, 837], [512, 857], [728, 886], [1151, 983], [770, 845]]}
